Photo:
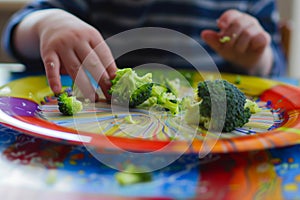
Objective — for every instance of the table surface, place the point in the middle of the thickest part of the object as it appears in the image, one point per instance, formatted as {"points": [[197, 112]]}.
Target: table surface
{"points": [[34, 168], [38, 169]]}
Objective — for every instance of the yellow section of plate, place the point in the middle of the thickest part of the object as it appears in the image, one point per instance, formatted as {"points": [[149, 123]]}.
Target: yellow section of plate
{"points": [[34, 88], [250, 85]]}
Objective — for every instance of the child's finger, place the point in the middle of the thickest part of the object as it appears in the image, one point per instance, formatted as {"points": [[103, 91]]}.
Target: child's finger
{"points": [[243, 42], [227, 18], [103, 51], [74, 68], [52, 68], [108, 61], [236, 28], [82, 81], [260, 41], [212, 38], [97, 70]]}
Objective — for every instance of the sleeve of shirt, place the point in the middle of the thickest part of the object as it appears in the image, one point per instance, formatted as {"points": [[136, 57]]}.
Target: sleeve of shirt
{"points": [[72, 7], [267, 14]]}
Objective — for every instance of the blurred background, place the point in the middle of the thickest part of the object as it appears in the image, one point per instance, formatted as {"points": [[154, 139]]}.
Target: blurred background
{"points": [[289, 16]]}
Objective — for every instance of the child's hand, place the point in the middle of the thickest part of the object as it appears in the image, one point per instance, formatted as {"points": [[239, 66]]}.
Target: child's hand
{"points": [[70, 45], [249, 44]]}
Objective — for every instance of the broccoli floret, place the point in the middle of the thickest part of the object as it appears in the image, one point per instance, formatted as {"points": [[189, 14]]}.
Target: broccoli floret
{"points": [[152, 101], [158, 90], [68, 105], [125, 83], [141, 92], [169, 102], [236, 113], [161, 99], [140, 95], [165, 98]]}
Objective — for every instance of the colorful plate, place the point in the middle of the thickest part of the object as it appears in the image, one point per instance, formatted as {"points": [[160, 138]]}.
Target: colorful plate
{"points": [[27, 105]]}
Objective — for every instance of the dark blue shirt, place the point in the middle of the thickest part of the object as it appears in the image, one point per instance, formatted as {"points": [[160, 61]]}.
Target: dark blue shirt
{"points": [[188, 17]]}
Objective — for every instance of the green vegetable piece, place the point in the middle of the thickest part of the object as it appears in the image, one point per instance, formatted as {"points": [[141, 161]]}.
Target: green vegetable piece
{"points": [[165, 98], [140, 95], [173, 86], [126, 83], [169, 102], [225, 39], [68, 105], [132, 175], [158, 90], [129, 119], [51, 178], [236, 113], [128, 87], [152, 101], [254, 108], [238, 80], [192, 110]]}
